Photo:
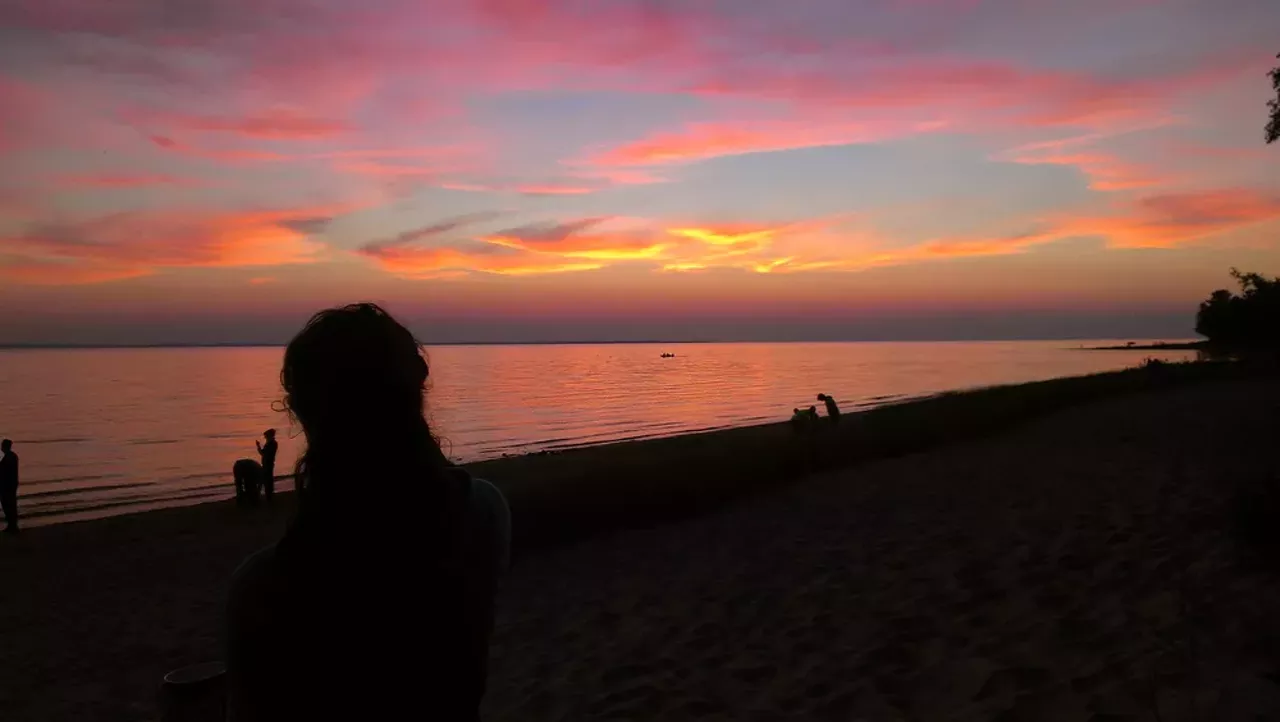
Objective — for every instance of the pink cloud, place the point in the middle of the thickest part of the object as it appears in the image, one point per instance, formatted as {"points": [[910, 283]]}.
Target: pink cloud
{"points": [[923, 95], [554, 189], [617, 176], [221, 155], [388, 170], [1105, 171], [528, 189], [702, 141], [125, 180], [332, 74], [21, 109], [278, 124]]}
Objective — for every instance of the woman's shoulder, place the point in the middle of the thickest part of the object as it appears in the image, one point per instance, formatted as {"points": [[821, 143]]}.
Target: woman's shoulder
{"points": [[490, 518], [485, 497], [252, 580]]}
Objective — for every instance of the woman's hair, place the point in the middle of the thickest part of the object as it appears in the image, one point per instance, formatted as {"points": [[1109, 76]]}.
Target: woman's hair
{"points": [[355, 379]]}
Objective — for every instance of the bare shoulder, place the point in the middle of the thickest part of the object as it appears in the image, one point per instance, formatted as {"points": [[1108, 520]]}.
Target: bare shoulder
{"points": [[251, 581], [493, 519], [486, 498]]}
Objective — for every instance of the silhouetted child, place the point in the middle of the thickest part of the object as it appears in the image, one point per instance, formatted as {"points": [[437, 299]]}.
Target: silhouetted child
{"points": [[811, 414], [248, 476], [9, 486], [799, 419], [268, 453], [833, 411]]}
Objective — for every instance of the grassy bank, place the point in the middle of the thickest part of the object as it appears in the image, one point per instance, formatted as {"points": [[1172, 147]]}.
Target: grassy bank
{"points": [[574, 494]]}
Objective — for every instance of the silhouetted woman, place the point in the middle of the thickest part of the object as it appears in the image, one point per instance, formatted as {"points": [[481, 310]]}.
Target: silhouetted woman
{"points": [[268, 453], [378, 601]]}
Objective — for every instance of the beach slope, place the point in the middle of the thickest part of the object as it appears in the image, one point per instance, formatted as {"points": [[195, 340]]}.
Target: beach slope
{"points": [[1079, 564]]}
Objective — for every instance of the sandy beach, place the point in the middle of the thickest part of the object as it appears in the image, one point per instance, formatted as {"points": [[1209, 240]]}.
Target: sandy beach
{"points": [[1077, 567]]}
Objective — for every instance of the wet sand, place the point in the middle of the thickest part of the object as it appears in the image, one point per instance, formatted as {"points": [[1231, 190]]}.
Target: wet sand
{"points": [[1078, 567]]}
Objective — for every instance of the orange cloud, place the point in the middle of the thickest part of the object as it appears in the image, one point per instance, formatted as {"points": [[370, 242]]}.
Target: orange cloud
{"points": [[769, 266], [966, 247], [821, 245], [37, 272], [135, 244], [1168, 220], [761, 248], [1161, 221], [727, 236], [1105, 171], [523, 250], [571, 241], [1157, 221], [684, 267], [601, 247]]}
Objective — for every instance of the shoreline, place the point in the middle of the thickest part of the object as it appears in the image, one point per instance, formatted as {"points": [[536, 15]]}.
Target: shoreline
{"points": [[1172, 346], [578, 492]]}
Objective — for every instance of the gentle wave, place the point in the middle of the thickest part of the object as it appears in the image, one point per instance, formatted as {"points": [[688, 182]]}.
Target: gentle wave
{"points": [[29, 495]]}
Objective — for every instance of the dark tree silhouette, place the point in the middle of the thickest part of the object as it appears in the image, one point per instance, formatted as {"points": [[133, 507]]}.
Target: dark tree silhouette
{"points": [[1273, 128], [1249, 320]]}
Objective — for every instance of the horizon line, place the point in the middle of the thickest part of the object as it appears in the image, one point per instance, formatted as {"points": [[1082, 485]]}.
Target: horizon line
{"points": [[236, 344]]}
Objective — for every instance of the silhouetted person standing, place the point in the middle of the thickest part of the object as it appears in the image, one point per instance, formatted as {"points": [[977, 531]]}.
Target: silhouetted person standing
{"points": [[268, 453], [833, 411], [377, 604], [9, 486]]}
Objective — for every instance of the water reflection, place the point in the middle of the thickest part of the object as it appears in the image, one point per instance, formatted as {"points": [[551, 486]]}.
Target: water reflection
{"points": [[108, 431]]}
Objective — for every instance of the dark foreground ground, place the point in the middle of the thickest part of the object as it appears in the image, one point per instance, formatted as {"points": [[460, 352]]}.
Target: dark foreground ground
{"points": [[1078, 566]]}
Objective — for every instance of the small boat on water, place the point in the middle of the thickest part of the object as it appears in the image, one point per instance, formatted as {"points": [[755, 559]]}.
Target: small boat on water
{"points": [[668, 355]]}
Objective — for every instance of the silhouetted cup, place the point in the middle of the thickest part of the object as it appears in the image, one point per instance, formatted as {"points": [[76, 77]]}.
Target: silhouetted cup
{"points": [[196, 693]]}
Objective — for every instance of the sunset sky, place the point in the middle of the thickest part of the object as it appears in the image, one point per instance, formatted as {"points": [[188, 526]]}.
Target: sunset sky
{"points": [[212, 171]]}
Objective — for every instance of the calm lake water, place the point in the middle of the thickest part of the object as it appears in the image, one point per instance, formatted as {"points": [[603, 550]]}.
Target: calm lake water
{"points": [[110, 431]]}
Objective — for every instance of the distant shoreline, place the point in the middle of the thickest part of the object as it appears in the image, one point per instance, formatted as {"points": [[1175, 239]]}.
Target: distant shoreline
{"points": [[1172, 346]]}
